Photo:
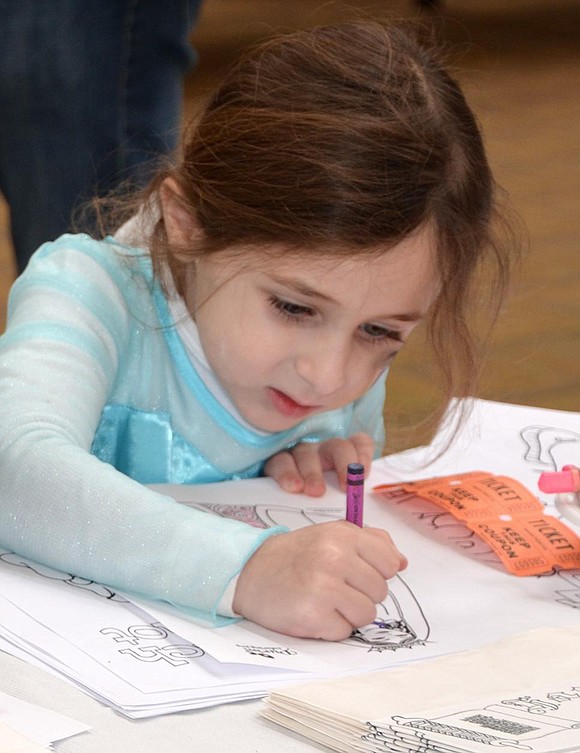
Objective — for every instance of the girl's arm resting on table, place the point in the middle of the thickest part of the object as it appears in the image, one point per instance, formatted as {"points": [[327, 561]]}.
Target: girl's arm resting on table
{"points": [[65, 508], [61, 506]]}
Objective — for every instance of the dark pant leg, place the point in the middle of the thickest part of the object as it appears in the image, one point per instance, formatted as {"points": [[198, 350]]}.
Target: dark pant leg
{"points": [[90, 93]]}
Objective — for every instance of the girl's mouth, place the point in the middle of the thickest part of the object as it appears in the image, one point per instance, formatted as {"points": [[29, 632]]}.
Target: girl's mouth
{"points": [[285, 405]]}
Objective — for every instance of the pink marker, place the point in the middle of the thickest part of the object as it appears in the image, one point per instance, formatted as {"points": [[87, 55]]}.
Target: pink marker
{"points": [[565, 484], [566, 480], [355, 479]]}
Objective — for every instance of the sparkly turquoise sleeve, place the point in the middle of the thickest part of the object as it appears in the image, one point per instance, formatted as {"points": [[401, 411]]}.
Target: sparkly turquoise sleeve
{"points": [[70, 324]]}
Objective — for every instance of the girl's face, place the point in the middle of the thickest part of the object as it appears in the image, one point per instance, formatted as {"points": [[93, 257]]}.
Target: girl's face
{"points": [[291, 336]]}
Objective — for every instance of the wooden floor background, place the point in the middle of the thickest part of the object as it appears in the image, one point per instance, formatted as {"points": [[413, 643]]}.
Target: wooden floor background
{"points": [[519, 63]]}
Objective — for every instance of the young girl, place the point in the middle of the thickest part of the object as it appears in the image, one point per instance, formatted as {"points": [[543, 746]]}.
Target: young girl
{"points": [[333, 194]]}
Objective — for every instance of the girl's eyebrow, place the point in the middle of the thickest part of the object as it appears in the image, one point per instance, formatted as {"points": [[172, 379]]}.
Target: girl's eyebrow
{"points": [[304, 289], [413, 316]]}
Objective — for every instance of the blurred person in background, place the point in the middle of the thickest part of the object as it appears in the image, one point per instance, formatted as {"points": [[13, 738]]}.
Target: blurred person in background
{"points": [[91, 95]]}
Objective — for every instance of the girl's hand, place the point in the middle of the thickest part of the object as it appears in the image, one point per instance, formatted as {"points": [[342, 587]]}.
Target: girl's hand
{"points": [[302, 468], [318, 582]]}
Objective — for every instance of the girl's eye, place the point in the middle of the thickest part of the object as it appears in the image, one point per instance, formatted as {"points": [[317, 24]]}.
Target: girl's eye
{"points": [[375, 332], [291, 310]]}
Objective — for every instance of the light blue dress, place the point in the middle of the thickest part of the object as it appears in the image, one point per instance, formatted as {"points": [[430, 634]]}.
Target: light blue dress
{"points": [[100, 396]]}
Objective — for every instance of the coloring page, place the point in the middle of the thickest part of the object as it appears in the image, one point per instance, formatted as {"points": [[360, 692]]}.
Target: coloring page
{"points": [[508, 440], [147, 658], [120, 655], [540, 721], [455, 594]]}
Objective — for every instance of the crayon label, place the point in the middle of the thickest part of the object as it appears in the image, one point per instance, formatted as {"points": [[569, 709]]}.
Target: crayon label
{"points": [[354, 503], [506, 515]]}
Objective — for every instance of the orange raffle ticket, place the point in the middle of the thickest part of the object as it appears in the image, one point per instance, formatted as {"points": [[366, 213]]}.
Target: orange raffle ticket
{"points": [[506, 515]]}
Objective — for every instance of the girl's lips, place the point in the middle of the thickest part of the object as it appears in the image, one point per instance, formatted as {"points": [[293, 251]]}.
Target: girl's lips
{"points": [[288, 407]]}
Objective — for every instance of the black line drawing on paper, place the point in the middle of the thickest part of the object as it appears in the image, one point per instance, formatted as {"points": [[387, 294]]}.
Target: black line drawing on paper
{"points": [[459, 534], [177, 655], [542, 444], [267, 652], [514, 723], [568, 594], [142, 640], [400, 623], [67, 578], [268, 516], [443, 523], [421, 726]]}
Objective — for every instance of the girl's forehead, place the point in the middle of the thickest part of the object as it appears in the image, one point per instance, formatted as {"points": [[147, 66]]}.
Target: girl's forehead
{"points": [[403, 276], [310, 271], [279, 253], [290, 260], [302, 260], [312, 262]]}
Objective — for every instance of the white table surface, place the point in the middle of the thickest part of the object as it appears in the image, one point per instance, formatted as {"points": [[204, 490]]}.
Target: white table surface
{"points": [[230, 727]]}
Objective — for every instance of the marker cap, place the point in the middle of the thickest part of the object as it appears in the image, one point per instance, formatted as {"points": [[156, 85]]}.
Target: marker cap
{"points": [[566, 480]]}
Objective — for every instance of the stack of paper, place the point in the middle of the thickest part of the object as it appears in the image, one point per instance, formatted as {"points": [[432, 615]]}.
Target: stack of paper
{"points": [[144, 659], [522, 693], [112, 649]]}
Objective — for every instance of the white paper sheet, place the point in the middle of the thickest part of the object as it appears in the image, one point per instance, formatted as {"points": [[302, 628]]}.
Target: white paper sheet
{"points": [[522, 693], [511, 440], [145, 659], [35, 723], [454, 594]]}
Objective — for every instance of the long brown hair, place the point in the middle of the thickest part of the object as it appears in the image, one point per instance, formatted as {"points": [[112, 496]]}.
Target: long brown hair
{"points": [[341, 139]]}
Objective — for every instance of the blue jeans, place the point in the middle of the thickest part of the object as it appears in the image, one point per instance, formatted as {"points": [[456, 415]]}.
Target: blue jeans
{"points": [[90, 96]]}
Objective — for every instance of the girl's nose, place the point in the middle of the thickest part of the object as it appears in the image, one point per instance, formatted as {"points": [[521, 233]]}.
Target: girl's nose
{"points": [[325, 369]]}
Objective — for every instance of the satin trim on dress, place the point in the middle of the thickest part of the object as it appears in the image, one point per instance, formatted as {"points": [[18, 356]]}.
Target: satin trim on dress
{"points": [[143, 446]]}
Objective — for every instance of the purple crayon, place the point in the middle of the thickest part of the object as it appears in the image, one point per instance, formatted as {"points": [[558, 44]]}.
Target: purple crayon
{"points": [[355, 479]]}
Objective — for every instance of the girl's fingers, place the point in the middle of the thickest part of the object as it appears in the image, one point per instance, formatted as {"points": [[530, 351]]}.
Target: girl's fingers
{"points": [[368, 581], [357, 609], [365, 448], [336, 454], [309, 464], [298, 470], [282, 468], [301, 469], [317, 581], [381, 553]]}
